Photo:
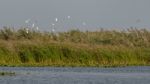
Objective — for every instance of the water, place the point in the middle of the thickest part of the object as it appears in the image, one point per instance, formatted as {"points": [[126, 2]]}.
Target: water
{"points": [[78, 75]]}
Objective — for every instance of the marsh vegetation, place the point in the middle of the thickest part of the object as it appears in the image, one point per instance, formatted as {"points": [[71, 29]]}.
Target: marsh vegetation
{"points": [[74, 48]]}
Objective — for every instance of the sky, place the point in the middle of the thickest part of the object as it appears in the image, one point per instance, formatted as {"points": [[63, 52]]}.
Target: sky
{"points": [[84, 14]]}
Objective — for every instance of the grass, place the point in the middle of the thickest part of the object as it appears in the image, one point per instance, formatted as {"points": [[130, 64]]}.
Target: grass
{"points": [[74, 48]]}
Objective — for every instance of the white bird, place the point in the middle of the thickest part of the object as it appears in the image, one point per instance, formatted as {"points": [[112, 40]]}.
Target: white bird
{"points": [[68, 17], [83, 23], [27, 30], [27, 21], [37, 28], [53, 27], [53, 30], [33, 25], [56, 19], [53, 24]]}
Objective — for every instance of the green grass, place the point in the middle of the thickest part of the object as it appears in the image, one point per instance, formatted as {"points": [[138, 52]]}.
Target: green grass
{"points": [[75, 48]]}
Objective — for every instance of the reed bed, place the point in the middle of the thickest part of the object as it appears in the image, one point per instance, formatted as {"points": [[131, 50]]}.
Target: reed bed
{"points": [[74, 48]]}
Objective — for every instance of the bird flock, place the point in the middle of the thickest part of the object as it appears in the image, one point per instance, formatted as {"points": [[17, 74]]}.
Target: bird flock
{"points": [[33, 25]]}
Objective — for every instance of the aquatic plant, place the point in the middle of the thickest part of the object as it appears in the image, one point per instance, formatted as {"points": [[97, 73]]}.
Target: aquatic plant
{"points": [[7, 73], [75, 48]]}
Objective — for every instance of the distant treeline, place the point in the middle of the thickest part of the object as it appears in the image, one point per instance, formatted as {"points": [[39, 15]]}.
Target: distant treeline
{"points": [[74, 48]]}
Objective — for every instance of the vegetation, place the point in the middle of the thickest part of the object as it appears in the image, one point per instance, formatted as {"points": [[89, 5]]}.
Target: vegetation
{"points": [[7, 73], [74, 48]]}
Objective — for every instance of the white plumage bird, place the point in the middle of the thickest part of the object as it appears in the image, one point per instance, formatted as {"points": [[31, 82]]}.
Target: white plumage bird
{"points": [[84, 23], [68, 17], [27, 30], [37, 28], [27, 21], [53, 30], [56, 19], [33, 25], [53, 24]]}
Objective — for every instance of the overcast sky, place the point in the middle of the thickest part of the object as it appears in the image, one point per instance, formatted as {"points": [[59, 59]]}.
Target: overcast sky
{"points": [[85, 14]]}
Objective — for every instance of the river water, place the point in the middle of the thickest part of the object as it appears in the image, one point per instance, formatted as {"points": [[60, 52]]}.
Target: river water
{"points": [[77, 75]]}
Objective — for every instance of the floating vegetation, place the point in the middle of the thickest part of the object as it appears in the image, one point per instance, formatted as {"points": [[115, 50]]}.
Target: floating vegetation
{"points": [[7, 73]]}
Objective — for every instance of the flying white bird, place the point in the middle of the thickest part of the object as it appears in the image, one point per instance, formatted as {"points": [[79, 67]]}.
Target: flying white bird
{"points": [[53, 27], [68, 17], [27, 30], [56, 19], [27, 21], [53, 24], [37, 28], [33, 25], [83, 23], [53, 30]]}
